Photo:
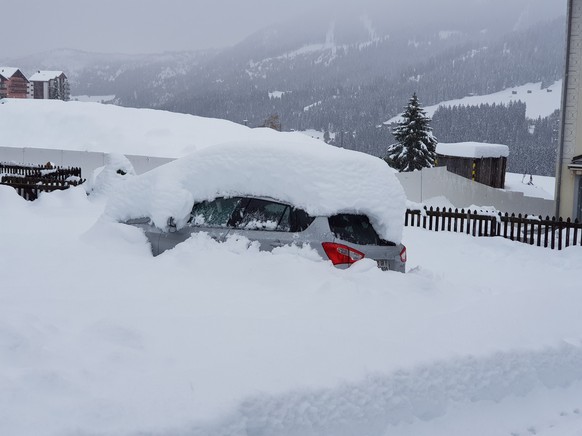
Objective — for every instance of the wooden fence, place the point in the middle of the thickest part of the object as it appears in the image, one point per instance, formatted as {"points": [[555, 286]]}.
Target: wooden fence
{"points": [[30, 180], [549, 232]]}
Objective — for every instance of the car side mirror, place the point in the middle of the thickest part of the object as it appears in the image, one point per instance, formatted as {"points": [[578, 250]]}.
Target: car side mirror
{"points": [[171, 225]]}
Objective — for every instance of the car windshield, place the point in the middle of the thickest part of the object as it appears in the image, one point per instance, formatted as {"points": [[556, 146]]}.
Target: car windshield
{"points": [[356, 229]]}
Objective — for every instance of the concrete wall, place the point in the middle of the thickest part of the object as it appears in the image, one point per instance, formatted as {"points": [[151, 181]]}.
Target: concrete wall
{"points": [[434, 182], [418, 185], [87, 160]]}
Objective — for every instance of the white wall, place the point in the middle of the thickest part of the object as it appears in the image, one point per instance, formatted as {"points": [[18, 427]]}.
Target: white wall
{"points": [[418, 185], [88, 161], [461, 192]]}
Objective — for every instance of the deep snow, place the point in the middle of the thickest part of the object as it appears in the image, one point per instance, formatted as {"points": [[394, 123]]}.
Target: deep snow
{"points": [[97, 337], [82, 126]]}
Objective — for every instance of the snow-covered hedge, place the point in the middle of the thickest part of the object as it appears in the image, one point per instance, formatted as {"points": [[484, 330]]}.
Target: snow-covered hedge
{"points": [[321, 179]]}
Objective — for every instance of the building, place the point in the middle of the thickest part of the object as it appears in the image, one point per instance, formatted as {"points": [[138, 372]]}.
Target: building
{"points": [[569, 162], [52, 85], [13, 84], [480, 162]]}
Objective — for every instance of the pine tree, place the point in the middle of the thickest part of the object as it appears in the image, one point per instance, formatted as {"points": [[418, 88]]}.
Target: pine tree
{"points": [[416, 146]]}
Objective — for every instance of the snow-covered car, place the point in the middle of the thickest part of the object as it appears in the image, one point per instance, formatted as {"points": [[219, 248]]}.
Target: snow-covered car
{"points": [[344, 204], [343, 238]]}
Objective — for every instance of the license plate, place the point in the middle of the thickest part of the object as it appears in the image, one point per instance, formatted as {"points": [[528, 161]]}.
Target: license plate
{"points": [[383, 264]]}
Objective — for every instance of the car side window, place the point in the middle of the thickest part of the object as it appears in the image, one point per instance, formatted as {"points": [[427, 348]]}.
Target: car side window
{"points": [[215, 213], [264, 215], [300, 220]]}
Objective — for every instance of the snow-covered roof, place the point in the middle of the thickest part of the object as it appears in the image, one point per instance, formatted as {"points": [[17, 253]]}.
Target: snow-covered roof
{"points": [[8, 72], [44, 76], [322, 179], [472, 149]]}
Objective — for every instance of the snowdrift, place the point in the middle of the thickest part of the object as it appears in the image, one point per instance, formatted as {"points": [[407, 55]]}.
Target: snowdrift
{"points": [[84, 126], [483, 336]]}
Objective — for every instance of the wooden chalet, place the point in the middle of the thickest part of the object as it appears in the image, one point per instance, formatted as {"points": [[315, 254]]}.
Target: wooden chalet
{"points": [[14, 84]]}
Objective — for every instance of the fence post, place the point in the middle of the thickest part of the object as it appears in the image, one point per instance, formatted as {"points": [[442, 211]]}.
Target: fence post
{"points": [[553, 242], [429, 213], [560, 230], [474, 220]]}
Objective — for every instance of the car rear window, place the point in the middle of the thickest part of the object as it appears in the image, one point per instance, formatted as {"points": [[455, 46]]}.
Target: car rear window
{"points": [[356, 229]]}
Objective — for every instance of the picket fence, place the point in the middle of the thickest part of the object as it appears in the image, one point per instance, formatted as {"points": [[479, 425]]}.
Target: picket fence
{"points": [[30, 180], [533, 230]]}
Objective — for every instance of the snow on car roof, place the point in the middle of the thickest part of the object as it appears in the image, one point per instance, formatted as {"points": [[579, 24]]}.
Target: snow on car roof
{"points": [[319, 178], [472, 149]]}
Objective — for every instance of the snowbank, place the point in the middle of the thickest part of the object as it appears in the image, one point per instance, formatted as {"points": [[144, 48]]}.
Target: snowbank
{"points": [[482, 336], [322, 180], [540, 186], [472, 149], [97, 127], [106, 179]]}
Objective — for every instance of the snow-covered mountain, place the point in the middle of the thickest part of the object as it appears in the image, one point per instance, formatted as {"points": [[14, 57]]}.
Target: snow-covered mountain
{"points": [[344, 71]]}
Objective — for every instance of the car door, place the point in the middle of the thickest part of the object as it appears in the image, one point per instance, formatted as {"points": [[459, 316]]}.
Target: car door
{"points": [[215, 217], [266, 221], [211, 217]]}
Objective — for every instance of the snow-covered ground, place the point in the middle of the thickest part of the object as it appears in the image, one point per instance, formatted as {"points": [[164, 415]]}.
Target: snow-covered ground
{"points": [[97, 337], [539, 102], [541, 186], [93, 98], [316, 134], [107, 128]]}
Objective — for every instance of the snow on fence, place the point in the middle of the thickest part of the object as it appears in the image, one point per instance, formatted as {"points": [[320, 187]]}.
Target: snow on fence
{"points": [[549, 232], [30, 180]]}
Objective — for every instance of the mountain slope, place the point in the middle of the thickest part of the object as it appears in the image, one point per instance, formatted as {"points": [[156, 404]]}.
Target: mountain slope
{"points": [[345, 71]]}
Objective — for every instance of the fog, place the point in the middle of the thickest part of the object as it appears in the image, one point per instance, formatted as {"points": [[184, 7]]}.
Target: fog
{"points": [[147, 26]]}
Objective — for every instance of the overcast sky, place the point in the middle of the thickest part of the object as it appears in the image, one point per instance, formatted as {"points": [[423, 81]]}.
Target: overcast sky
{"points": [[152, 26], [134, 26]]}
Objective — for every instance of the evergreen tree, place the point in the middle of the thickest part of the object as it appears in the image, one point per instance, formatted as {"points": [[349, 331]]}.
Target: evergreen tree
{"points": [[416, 146]]}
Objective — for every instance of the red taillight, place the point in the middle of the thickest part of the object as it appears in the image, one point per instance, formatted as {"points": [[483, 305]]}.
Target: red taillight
{"points": [[403, 255], [341, 254]]}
